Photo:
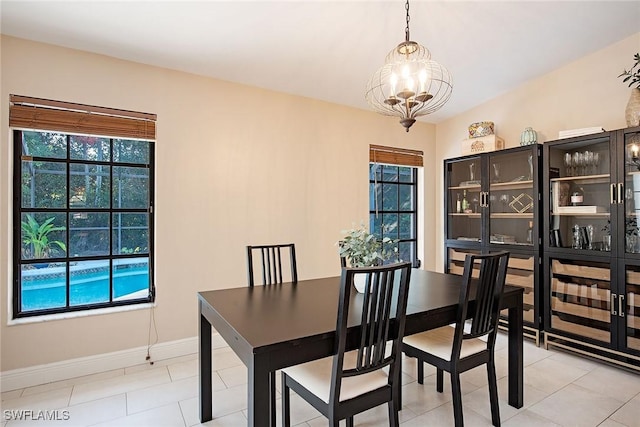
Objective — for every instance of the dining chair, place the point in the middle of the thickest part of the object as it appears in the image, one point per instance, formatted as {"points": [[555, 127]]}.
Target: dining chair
{"points": [[271, 261], [350, 382], [459, 349]]}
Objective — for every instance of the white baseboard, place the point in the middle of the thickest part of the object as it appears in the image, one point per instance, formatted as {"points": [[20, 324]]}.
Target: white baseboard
{"points": [[66, 369]]}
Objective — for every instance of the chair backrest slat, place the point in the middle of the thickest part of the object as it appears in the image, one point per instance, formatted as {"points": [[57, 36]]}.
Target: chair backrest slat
{"points": [[489, 286], [382, 320], [271, 261]]}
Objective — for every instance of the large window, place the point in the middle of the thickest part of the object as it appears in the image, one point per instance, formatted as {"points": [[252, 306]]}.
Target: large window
{"points": [[393, 196], [83, 222]]}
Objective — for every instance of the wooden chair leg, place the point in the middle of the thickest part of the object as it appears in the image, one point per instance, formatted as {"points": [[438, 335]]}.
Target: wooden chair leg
{"points": [[286, 417], [272, 396], [493, 393], [456, 391], [394, 420], [439, 380], [398, 381], [420, 371]]}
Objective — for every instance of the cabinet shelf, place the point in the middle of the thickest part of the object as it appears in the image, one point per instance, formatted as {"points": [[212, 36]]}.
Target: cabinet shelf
{"points": [[585, 179], [578, 329], [586, 312], [598, 274], [580, 291], [469, 215], [583, 215], [513, 215], [470, 188], [514, 185]]}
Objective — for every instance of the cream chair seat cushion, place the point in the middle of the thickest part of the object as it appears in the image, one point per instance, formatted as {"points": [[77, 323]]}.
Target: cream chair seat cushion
{"points": [[315, 376], [439, 342]]}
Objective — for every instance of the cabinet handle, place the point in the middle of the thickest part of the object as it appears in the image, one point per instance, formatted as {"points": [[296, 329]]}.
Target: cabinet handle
{"points": [[621, 305], [612, 196], [486, 199], [614, 297], [482, 199], [620, 192]]}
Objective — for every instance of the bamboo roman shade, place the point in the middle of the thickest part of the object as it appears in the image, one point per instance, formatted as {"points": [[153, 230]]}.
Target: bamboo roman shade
{"points": [[395, 156], [44, 114]]}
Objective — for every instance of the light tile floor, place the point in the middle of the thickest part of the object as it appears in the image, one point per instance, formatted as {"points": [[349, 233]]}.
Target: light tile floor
{"points": [[560, 390]]}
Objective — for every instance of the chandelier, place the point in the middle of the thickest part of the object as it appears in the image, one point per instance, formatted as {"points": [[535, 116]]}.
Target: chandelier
{"points": [[409, 84]]}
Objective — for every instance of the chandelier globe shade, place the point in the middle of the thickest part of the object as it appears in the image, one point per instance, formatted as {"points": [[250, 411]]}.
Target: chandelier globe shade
{"points": [[409, 84]]}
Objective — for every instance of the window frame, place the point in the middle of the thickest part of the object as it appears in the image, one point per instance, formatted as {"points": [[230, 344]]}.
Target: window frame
{"points": [[68, 210], [373, 181]]}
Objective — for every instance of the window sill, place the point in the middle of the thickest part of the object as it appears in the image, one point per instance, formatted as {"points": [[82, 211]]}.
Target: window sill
{"points": [[76, 314]]}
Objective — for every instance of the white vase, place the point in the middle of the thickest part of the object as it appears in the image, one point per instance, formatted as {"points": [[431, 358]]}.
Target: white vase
{"points": [[360, 282], [632, 112]]}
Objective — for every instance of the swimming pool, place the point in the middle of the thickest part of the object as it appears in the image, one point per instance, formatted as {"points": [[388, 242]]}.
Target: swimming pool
{"points": [[46, 288]]}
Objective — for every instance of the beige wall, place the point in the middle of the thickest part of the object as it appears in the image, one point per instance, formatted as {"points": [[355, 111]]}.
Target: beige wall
{"points": [[584, 93], [299, 166], [235, 165]]}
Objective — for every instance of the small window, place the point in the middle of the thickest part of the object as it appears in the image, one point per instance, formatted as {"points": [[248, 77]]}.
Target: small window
{"points": [[393, 193], [393, 197]]}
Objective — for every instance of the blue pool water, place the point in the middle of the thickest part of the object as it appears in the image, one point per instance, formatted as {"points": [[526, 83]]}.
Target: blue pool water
{"points": [[47, 291]]}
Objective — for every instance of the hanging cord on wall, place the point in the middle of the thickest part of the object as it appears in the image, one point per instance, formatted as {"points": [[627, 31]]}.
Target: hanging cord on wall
{"points": [[154, 327]]}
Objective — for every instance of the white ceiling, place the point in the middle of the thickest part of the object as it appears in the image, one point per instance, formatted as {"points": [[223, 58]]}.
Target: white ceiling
{"points": [[328, 49]]}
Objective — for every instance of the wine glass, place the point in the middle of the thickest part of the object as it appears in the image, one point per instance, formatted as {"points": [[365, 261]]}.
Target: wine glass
{"points": [[596, 160], [582, 158], [567, 164], [588, 162], [496, 172], [574, 163], [590, 236]]}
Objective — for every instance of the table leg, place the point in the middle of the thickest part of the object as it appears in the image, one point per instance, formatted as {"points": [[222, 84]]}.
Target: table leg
{"points": [[516, 370], [258, 402], [204, 360]]}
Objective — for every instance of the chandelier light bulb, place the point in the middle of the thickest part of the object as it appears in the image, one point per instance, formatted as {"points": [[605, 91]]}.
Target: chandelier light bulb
{"points": [[405, 71], [393, 81], [423, 79]]}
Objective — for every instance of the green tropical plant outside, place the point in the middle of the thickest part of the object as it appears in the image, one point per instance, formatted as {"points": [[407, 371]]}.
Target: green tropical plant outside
{"points": [[631, 76], [363, 249], [36, 235]]}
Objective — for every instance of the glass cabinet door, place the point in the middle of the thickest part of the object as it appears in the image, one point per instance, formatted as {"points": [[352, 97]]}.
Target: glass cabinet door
{"points": [[581, 195], [464, 195], [512, 199], [631, 196], [629, 303], [581, 298]]}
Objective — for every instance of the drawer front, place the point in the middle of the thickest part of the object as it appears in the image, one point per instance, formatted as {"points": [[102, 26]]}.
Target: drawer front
{"points": [[580, 299]]}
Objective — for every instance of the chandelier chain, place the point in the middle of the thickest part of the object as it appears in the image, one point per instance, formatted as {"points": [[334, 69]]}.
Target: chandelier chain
{"points": [[406, 30]]}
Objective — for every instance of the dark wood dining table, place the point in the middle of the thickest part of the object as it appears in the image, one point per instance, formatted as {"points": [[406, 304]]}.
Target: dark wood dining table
{"points": [[272, 327]]}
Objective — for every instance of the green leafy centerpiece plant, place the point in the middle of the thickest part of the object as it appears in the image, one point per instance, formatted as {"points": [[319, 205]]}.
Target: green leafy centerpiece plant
{"points": [[35, 237], [360, 248], [632, 76]]}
